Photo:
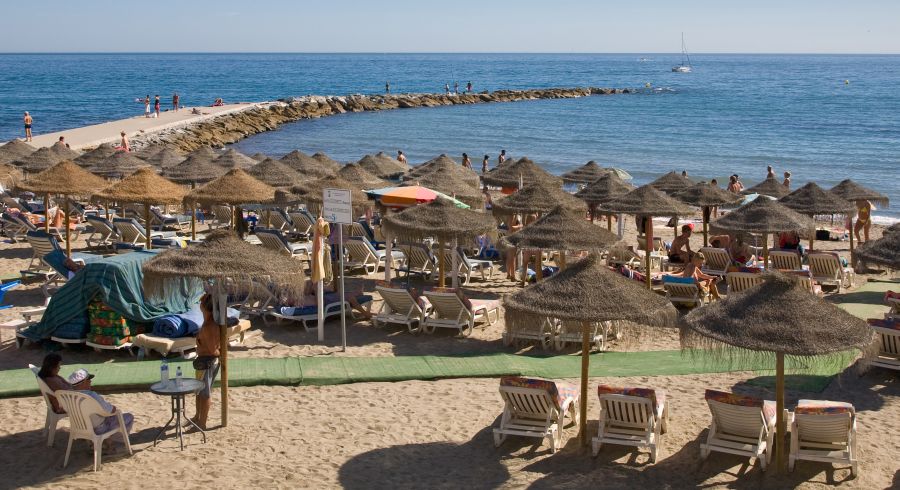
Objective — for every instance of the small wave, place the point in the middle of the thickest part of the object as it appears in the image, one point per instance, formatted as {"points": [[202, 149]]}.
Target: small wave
{"points": [[884, 220]]}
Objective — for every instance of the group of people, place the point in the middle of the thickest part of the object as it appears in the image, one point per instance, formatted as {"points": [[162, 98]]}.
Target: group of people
{"points": [[156, 105], [466, 161]]}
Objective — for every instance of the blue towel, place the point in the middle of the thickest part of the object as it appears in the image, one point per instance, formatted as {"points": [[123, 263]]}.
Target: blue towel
{"points": [[679, 280], [329, 299], [186, 324]]}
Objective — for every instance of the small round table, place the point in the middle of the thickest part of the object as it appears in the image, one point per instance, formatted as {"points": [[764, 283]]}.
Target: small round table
{"points": [[177, 391]]}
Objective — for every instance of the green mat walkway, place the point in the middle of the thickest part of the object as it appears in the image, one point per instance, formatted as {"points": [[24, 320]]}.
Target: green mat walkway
{"points": [[864, 302]]}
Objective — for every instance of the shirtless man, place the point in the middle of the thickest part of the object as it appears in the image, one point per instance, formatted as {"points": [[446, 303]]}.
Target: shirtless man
{"points": [[123, 144], [680, 252], [401, 157], [28, 123], [465, 161], [208, 342], [502, 157], [770, 172]]}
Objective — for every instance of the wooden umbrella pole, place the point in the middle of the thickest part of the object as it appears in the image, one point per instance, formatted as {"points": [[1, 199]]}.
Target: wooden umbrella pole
{"points": [[562, 260], [585, 364], [675, 228], [147, 223], [454, 263], [441, 263], [524, 268], [106, 208], [609, 222], [539, 266], [705, 226], [66, 217], [223, 350], [781, 429], [268, 218], [47, 213], [766, 251], [649, 235], [235, 218], [850, 231], [193, 222]]}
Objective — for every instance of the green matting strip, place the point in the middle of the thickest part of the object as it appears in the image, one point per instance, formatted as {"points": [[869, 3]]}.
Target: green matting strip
{"points": [[865, 302]]}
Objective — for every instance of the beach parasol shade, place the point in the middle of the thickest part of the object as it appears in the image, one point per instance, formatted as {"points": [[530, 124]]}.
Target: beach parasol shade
{"points": [[771, 320], [647, 200], [64, 178], [851, 191], [327, 161], [885, 251], [275, 173], [812, 200], [360, 177], [706, 195], [536, 198], [305, 165], [511, 172], [401, 197], [672, 182], [450, 183], [10, 175], [563, 229], [383, 166], [95, 156], [165, 158], [64, 152], [448, 166], [203, 153], [440, 219], [40, 159], [145, 187], [585, 174], [259, 156], [118, 165], [235, 188], [234, 159], [605, 188], [311, 192], [150, 150], [763, 216], [15, 150], [194, 171], [769, 187]]}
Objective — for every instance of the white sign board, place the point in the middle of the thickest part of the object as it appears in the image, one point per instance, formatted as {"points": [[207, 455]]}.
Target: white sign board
{"points": [[336, 206]]}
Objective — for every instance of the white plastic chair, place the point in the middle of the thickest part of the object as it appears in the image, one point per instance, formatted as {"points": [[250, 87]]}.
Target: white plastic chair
{"points": [[449, 311], [631, 420], [80, 408], [739, 281], [740, 425], [784, 260], [399, 307], [103, 233], [888, 348], [717, 261], [535, 408], [824, 437], [53, 418], [683, 293], [827, 270], [418, 260]]}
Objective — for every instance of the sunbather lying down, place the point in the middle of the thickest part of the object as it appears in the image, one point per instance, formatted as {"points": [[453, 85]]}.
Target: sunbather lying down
{"points": [[351, 296]]}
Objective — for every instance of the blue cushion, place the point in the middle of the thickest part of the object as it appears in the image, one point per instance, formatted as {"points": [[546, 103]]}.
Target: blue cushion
{"points": [[679, 280]]}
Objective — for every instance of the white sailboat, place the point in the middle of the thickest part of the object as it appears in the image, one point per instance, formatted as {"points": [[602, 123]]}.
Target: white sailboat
{"points": [[685, 66]]}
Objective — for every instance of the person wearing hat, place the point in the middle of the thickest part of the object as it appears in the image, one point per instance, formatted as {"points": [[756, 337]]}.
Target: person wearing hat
{"points": [[81, 382], [680, 251]]}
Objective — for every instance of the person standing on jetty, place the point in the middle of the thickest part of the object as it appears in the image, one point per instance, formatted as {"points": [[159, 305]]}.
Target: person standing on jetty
{"points": [[401, 157], [484, 164], [456, 88], [206, 365], [465, 161], [447, 88], [28, 121], [175, 101], [147, 106], [156, 106], [387, 87], [469, 87]]}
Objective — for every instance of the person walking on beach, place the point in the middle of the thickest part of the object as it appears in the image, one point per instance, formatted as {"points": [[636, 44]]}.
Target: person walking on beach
{"points": [[401, 157], [466, 162], [175, 101], [28, 122], [206, 365], [387, 87], [484, 164], [147, 106], [469, 86], [787, 180], [502, 157], [156, 106]]}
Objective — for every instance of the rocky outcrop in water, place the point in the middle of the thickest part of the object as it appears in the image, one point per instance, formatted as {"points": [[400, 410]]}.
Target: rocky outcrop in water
{"points": [[232, 127]]}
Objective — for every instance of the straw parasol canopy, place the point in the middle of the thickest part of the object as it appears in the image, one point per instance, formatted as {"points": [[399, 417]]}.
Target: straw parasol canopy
{"points": [[585, 174], [9, 175], [605, 188], [776, 318], [64, 152], [193, 171], [165, 158], [536, 198], [259, 156], [383, 166], [450, 183], [150, 150], [234, 159], [95, 156], [360, 177], [647, 200], [327, 161], [893, 229], [118, 165], [40, 159], [311, 192], [440, 219], [851, 191], [705, 196], [563, 229], [15, 150], [145, 187], [763, 216], [203, 153], [306, 165], [511, 172], [769, 187], [812, 200], [235, 188], [444, 164], [885, 251], [672, 182], [275, 173]]}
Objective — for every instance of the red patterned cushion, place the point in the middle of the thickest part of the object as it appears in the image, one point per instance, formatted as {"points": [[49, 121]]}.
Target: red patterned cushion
{"points": [[823, 407], [891, 297], [656, 397], [557, 390], [466, 302], [880, 323]]}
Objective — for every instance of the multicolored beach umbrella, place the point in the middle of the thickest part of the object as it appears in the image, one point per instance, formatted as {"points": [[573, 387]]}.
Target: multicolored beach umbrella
{"points": [[404, 197]]}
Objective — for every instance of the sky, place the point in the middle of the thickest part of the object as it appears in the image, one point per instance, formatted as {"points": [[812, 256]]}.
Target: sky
{"points": [[558, 26]]}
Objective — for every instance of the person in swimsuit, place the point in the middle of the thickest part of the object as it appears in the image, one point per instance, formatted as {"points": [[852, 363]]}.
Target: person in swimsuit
{"points": [[511, 252], [465, 161], [733, 185], [484, 164], [680, 251], [175, 101], [469, 86], [208, 343], [28, 122], [387, 87], [502, 157], [447, 88], [705, 282], [770, 172], [147, 106], [787, 180], [863, 219], [124, 145], [401, 157], [156, 106]]}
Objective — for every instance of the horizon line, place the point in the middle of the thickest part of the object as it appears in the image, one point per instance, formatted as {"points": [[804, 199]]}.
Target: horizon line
{"points": [[747, 53]]}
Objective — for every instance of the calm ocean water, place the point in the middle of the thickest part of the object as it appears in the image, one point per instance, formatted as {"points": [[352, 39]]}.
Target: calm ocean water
{"points": [[733, 114]]}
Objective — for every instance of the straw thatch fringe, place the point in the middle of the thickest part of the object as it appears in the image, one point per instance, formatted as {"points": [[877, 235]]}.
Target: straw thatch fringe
{"points": [[762, 216], [647, 200], [64, 178], [537, 197], [769, 187], [851, 191], [440, 219], [812, 200], [605, 188], [235, 187], [672, 182], [511, 172], [885, 251]]}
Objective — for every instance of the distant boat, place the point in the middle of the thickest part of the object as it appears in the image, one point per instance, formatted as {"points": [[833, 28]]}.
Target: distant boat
{"points": [[685, 66]]}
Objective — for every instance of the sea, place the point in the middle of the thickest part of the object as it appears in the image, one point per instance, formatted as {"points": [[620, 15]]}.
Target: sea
{"points": [[821, 117]]}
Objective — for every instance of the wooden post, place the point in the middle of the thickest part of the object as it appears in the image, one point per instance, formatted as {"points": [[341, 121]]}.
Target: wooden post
{"points": [[781, 428], [268, 218], [66, 217], [562, 260], [585, 364], [193, 216], [223, 351], [609, 222], [649, 235], [674, 228], [235, 219], [850, 231], [47, 213], [766, 251], [388, 262], [454, 263], [147, 223], [539, 266], [705, 226], [524, 265], [441, 280]]}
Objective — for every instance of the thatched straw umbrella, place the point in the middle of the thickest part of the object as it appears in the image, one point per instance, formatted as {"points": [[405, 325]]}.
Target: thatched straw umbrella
{"points": [[647, 201], [63, 151], [307, 166], [9, 175], [15, 150], [763, 216], [259, 156], [885, 251], [194, 172], [222, 257], [672, 182], [893, 229], [605, 188], [853, 192], [450, 183], [811, 200], [234, 159], [65, 178], [536, 198], [360, 177], [585, 174], [781, 317], [39, 160], [150, 150], [447, 165], [275, 173], [440, 219], [311, 192], [95, 156], [165, 158], [235, 188], [327, 161], [769, 187], [588, 292], [144, 187], [119, 165], [512, 174], [203, 153], [706, 196], [383, 166]]}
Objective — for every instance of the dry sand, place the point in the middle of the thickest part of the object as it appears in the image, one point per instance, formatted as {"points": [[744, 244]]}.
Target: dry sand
{"points": [[414, 434]]}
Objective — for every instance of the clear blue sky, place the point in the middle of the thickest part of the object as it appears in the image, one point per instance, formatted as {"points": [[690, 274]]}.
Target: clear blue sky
{"points": [[644, 26]]}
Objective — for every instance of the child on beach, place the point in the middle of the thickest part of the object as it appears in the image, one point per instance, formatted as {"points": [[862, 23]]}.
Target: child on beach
{"points": [[787, 180], [147, 106]]}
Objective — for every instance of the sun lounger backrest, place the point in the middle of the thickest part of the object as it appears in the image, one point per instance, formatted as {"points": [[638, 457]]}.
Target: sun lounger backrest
{"points": [[825, 265], [739, 281], [41, 243], [129, 230], [889, 344], [399, 300], [824, 422], [359, 253], [223, 215], [717, 259], [535, 396], [101, 225], [739, 415], [272, 240], [357, 230], [279, 220], [417, 256], [449, 305], [785, 259], [629, 410], [303, 222]]}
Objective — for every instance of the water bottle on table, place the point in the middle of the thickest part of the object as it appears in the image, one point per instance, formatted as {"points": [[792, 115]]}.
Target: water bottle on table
{"points": [[178, 376], [164, 372]]}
